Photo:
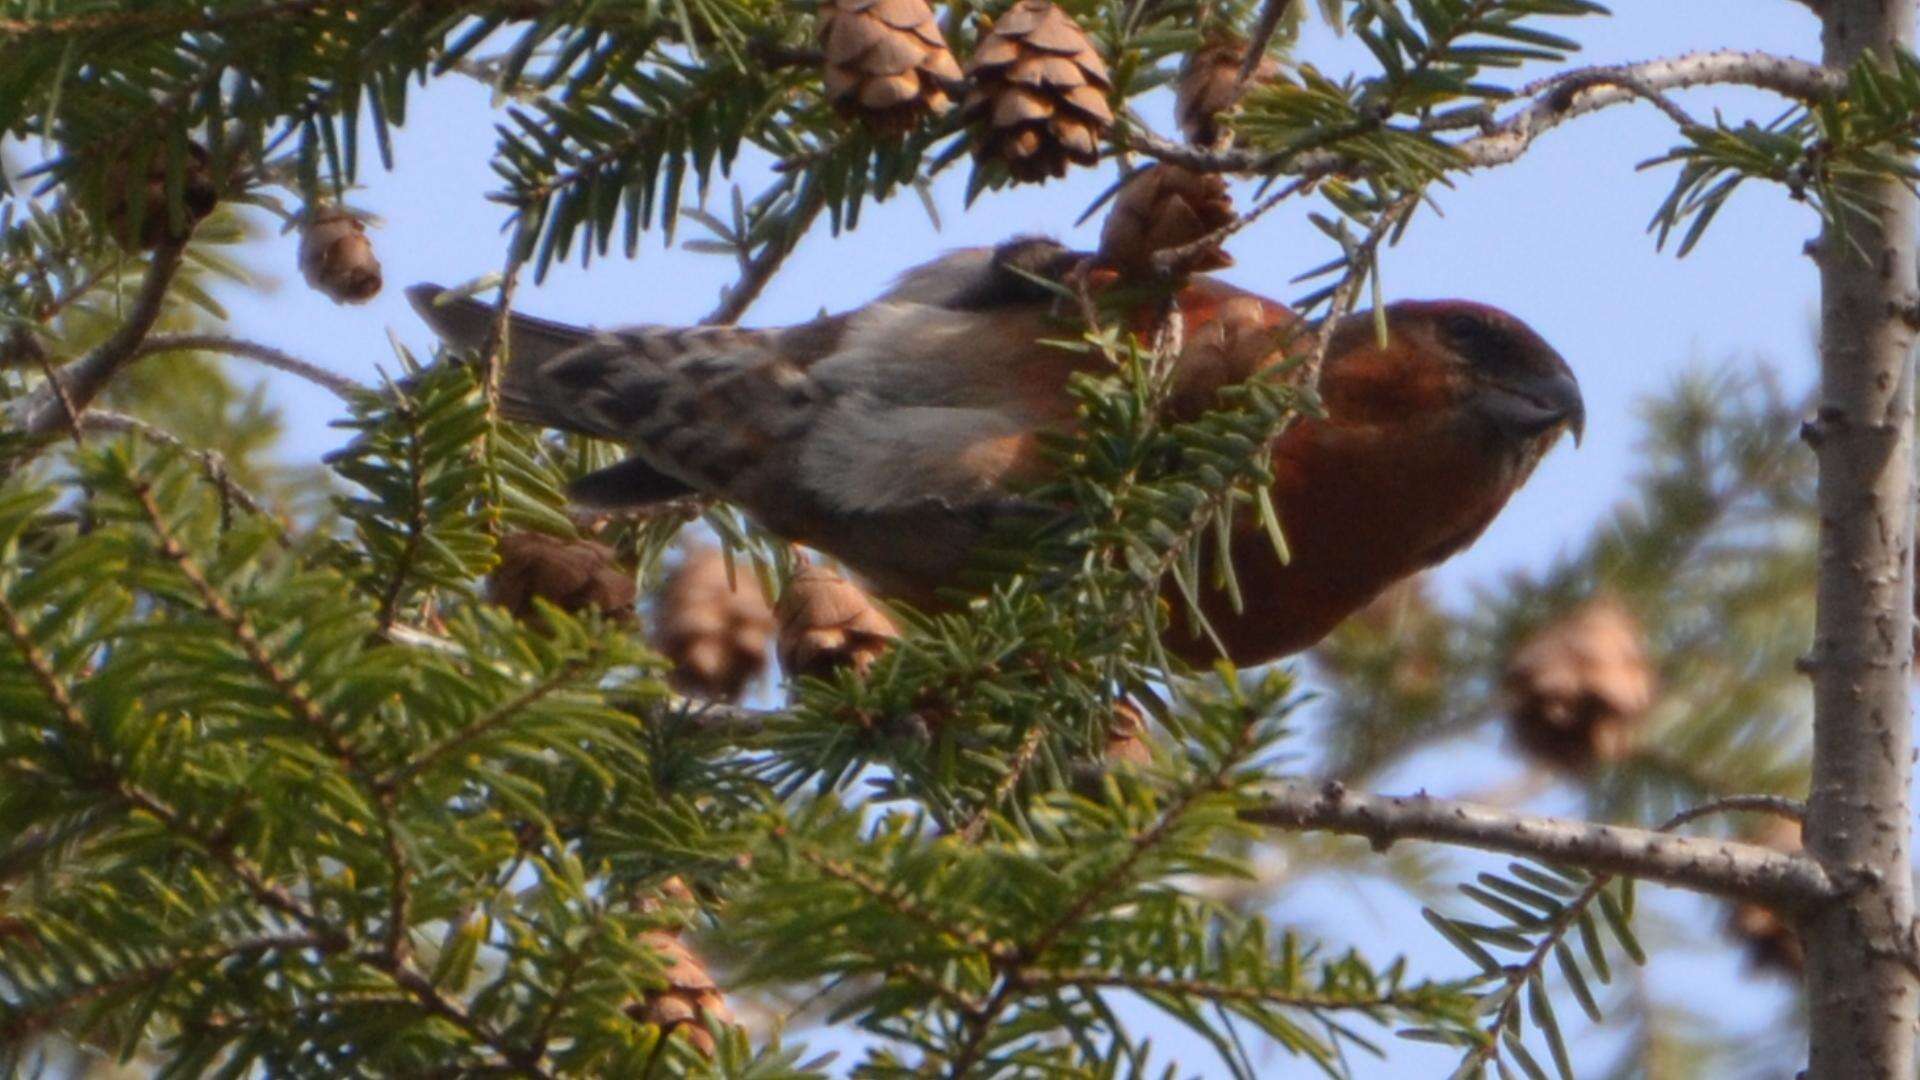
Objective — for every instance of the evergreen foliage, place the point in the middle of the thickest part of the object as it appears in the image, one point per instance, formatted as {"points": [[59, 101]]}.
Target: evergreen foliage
{"points": [[280, 794]]}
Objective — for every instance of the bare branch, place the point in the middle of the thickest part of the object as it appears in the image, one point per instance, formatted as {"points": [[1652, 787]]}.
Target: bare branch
{"points": [[45, 412], [1264, 27], [1726, 868], [760, 270], [1553, 102], [339, 385]]}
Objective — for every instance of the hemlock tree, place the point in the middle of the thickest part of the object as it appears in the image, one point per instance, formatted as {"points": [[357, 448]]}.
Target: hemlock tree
{"points": [[374, 773]]}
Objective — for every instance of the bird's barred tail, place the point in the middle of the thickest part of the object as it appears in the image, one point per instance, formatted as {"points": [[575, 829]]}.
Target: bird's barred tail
{"points": [[701, 404]]}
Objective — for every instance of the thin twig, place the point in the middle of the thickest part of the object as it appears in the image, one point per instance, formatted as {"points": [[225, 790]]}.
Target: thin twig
{"points": [[1553, 102], [46, 411], [1175, 260], [1016, 768], [1271, 13], [1791, 809], [340, 386], [759, 271]]}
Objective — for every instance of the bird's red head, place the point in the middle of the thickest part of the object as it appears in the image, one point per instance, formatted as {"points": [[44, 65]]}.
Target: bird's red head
{"points": [[1424, 438], [1470, 366]]}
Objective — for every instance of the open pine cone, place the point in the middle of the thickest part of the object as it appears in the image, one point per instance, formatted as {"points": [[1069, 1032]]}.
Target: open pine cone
{"points": [[827, 623], [715, 631], [1209, 85], [572, 575], [337, 258], [198, 197], [1580, 687], [886, 62], [689, 998], [1039, 96], [1126, 737], [1161, 208]]}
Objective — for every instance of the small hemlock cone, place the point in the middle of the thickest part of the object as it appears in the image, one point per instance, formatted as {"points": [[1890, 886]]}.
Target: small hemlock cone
{"points": [[827, 623], [1039, 96], [1579, 688], [1165, 207], [1772, 942], [716, 631], [886, 62], [1209, 85], [337, 258], [690, 995], [198, 197], [572, 575], [1242, 338], [1126, 736]]}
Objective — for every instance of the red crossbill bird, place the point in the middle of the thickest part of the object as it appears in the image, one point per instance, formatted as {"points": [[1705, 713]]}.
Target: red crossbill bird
{"points": [[892, 435]]}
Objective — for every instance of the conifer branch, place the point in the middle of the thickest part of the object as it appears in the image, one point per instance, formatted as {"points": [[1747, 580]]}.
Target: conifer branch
{"points": [[40, 1016], [1016, 768], [1554, 101], [903, 906], [172, 19], [1212, 990], [45, 412], [417, 521], [1014, 966], [427, 758], [760, 270], [241, 629], [1724, 868], [211, 462], [103, 775]]}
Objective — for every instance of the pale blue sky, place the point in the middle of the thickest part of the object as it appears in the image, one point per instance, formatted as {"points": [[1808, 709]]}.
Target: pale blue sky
{"points": [[1558, 238]]}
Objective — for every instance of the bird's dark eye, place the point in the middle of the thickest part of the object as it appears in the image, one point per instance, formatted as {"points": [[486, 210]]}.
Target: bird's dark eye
{"points": [[1465, 332]]}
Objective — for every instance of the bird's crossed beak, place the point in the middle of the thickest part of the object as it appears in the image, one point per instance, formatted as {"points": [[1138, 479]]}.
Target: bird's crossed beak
{"points": [[1535, 405]]}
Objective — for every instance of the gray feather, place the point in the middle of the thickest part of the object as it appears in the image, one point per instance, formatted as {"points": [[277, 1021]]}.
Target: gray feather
{"points": [[464, 323]]}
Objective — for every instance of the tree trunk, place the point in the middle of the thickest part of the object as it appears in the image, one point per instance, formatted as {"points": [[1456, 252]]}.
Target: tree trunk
{"points": [[1860, 986]]}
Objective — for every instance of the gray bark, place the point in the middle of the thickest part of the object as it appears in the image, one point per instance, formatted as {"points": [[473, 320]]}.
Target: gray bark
{"points": [[1860, 983], [1747, 871]]}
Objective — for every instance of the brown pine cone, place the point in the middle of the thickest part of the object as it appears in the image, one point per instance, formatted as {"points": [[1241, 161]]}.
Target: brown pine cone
{"points": [[827, 623], [1772, 941], [1580, 687], [716, 632], [1243, 337], [1039, 96], [886, 62], [572, 575], [689, 997], [337, 258], [1165, 207], [198, 197], [1126, 737], [1209, 85]]}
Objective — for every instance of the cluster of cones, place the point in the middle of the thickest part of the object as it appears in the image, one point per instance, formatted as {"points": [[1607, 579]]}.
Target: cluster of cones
{"points": [[1035, 89], [336, 257], [713, 621], [1035, 92], [711, 618]]}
